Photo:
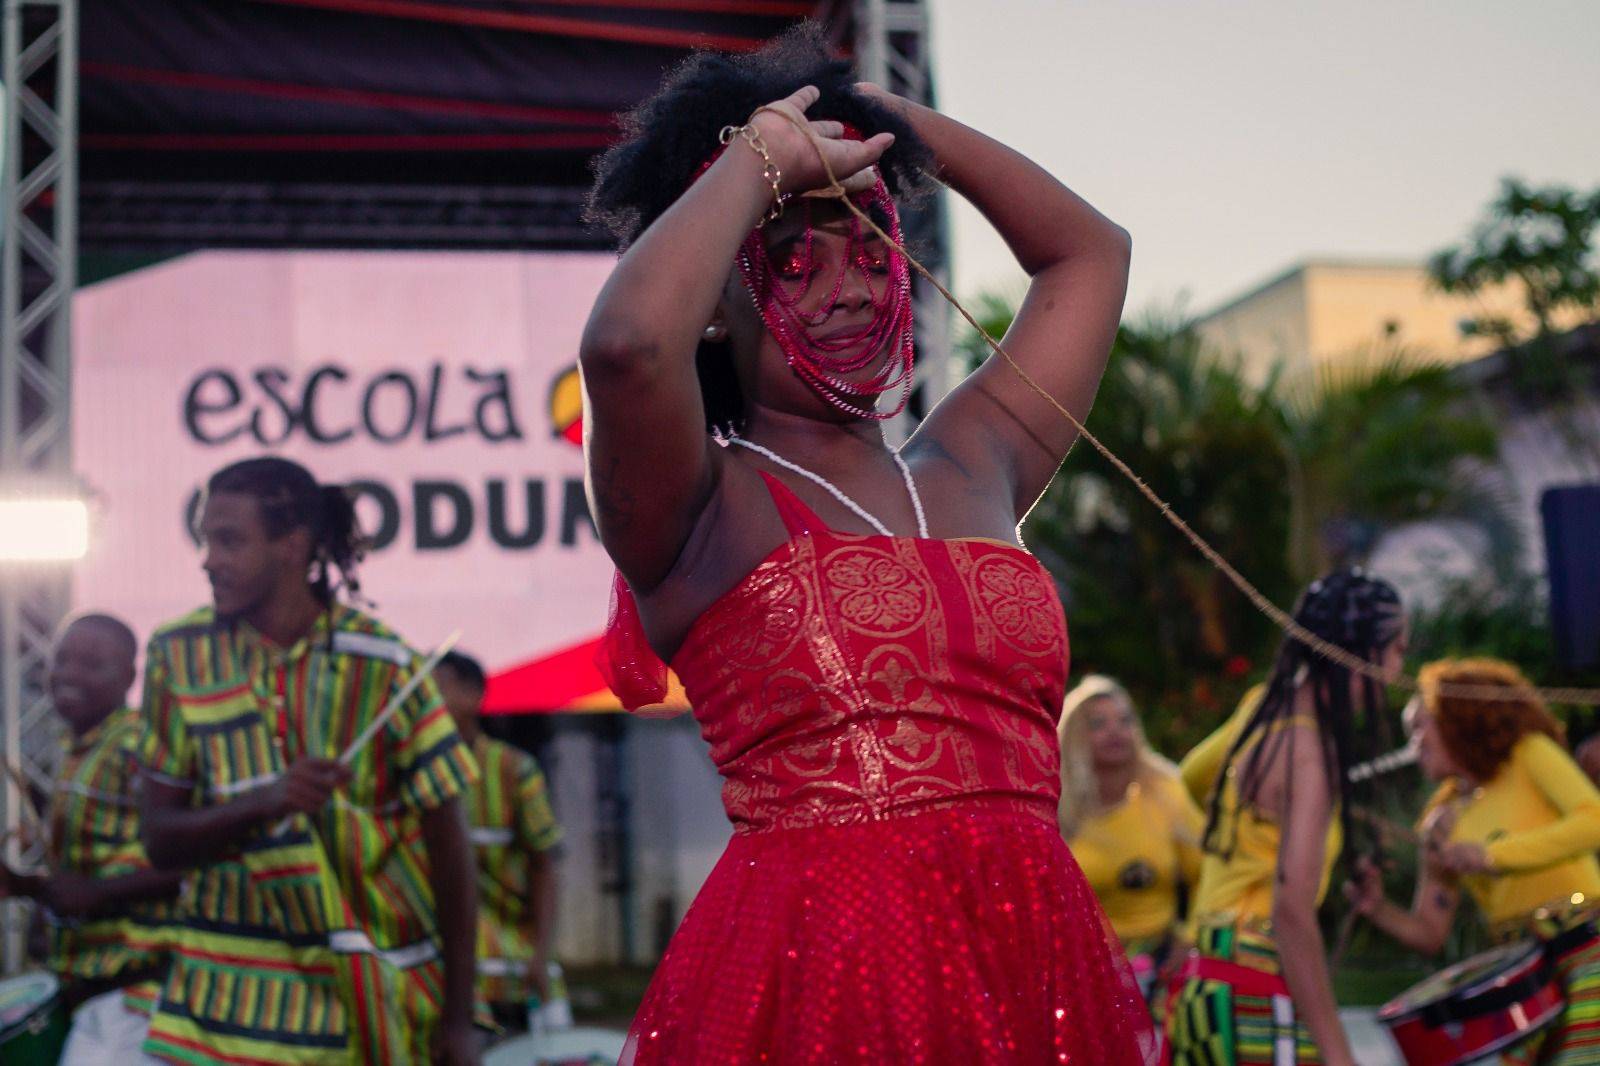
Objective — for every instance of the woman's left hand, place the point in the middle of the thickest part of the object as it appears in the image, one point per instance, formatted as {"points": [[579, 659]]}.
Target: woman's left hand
{"points": [[1464, 859]]}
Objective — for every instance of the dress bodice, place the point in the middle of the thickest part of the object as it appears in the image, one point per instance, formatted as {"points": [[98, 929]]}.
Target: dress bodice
{"points": [[852, 678]]}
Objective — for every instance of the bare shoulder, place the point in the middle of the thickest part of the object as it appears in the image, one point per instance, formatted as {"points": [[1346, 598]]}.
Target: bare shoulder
{"points": [[1295, 766], [961, 432], [736, 528], [963, 489]]}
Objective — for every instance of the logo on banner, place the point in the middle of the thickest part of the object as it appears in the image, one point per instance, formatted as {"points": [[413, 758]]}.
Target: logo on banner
{"points": [[566, 406]]}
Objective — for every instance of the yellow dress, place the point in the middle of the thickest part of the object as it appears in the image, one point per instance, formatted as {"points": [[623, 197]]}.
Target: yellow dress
{"points": [[1136, 853], [1237, 887], [1201, 766], [1232, 1005]]}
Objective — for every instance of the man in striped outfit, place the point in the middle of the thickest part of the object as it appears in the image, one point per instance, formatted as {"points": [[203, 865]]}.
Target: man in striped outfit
{"points": [[101, 895], [331, 915], [513, 832]]}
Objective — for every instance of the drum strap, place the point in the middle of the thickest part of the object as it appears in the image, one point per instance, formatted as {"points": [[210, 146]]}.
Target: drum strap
{"points": [[1244, 979], [1569, 939]]}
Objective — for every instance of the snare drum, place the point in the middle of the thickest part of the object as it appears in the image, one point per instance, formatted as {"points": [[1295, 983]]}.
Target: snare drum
{"points": [[33, 1020], [1477, 1007]]}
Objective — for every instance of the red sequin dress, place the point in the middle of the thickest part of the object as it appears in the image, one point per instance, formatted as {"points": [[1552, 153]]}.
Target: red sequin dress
{"points": [[882, 710]]}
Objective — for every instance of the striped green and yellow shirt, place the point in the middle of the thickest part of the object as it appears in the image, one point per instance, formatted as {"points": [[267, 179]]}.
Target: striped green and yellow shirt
{"points": [[315, 943], [511, 820], [94, 831]]}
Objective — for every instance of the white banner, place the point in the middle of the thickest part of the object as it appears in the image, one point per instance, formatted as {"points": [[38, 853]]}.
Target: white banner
{"points": [[442, 385]]}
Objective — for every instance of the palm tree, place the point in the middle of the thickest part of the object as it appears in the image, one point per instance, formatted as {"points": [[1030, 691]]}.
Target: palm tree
{"points": [[1285, 481], [1143, 605], [1380, 442]]}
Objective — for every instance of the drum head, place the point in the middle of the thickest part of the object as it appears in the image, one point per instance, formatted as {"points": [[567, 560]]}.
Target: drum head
{"points": [[569, 1047], [23, 997], [1464, 979]]}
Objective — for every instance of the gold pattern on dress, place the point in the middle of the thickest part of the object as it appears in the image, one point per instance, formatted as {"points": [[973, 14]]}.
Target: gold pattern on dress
{"points": [[765, 620], [874, 592], [887, 713], [1022, 605]]}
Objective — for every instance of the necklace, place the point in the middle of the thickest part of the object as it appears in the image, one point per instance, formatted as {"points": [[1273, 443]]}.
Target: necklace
{"points": [[859, 511]]}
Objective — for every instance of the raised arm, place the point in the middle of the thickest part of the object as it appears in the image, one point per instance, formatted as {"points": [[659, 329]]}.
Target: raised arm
{"points": [[649, 460], [1077, 260]]}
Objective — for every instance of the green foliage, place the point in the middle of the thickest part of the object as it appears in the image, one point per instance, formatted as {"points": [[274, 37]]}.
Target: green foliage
{"points": [[1540, 241], [1376, 443], [1284, 483], [1145, 606], [1539, 238], [1508, 620], [994, 312]]}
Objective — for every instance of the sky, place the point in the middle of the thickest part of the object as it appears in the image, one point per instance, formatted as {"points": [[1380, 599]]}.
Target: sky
{"points": [[1233, 139]]}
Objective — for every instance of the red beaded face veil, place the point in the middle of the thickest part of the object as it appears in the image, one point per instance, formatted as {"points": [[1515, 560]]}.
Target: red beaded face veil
{"points": [[781, 289]]}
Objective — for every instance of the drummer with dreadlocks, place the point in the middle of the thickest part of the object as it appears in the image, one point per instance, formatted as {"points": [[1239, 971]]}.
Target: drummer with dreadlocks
{"points": [[1516, 822], [316, 929], [1256, 988]]}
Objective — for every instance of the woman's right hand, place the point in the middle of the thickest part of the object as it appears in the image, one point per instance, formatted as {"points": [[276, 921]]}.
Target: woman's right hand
{"points": [[1365, 889], [798, 145], [304, 786]]}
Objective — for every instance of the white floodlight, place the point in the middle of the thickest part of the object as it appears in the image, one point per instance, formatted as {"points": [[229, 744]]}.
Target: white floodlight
{"points": [[43, 529]]}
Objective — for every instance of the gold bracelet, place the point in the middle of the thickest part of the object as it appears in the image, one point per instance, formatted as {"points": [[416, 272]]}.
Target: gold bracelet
{"points": [[769, 170]]}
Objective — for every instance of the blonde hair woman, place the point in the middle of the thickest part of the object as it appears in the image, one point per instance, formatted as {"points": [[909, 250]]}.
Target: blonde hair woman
{"points": [[1127, 818]]}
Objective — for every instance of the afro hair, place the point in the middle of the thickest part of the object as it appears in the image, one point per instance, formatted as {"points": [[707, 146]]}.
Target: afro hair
{"points": [[666, 139]]}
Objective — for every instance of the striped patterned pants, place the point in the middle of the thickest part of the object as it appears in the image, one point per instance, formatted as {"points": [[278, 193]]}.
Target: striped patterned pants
{"points": [[1574, 1040], [1235, 1011]]}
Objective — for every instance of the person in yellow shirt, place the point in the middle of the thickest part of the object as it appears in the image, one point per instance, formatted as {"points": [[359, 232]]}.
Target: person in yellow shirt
{"points": [[1255, 989], [1516, 823], [1200, 768], [1128, 820]]}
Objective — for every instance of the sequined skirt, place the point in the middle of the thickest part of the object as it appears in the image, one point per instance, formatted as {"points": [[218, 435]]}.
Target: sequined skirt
{"points": [[961, 935]]}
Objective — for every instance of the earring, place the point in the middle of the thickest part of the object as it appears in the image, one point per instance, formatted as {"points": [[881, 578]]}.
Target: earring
{"points": [[714, 332]]}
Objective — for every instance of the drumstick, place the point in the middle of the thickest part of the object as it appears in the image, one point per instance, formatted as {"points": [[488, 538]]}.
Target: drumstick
{"points": [[1384, 764], [400, 697], [1387, 825], [389, 711], [29, 806]]}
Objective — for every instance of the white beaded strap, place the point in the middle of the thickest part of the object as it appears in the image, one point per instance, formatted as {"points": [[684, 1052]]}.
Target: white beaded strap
{"points": [[859, 511], [911, 490]]}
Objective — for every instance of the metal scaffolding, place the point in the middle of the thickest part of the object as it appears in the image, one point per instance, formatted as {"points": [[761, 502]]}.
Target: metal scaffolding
{"points": [[38, 187]]}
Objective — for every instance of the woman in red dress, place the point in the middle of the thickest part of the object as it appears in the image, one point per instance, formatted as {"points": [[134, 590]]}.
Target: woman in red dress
{"points": [[875, 661]]}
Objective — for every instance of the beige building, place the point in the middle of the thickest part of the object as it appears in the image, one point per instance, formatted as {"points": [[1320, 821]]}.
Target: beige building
{"points": [[1323, 310]]}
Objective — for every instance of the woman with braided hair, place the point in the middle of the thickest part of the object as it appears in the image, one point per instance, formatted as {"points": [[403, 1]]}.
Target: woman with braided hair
{"points": [[1516, 823], [1256, 987], [318, 931], [875, 661]]}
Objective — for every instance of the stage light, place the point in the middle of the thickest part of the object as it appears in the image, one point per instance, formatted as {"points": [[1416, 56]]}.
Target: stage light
{"points": [[43, 530]]}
